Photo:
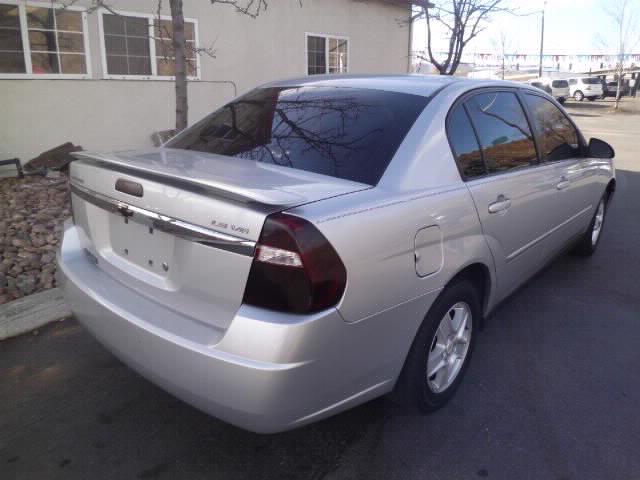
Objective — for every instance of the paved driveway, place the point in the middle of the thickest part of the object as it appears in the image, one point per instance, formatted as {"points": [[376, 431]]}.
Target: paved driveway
{"points": [[553, 391]]}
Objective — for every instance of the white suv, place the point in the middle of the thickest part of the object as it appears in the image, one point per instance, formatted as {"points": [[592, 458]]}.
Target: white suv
{"points": [[585, 87], [557, 88]]}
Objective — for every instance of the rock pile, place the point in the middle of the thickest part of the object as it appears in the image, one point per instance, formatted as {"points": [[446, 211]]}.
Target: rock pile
{"points": [[32, 211]]}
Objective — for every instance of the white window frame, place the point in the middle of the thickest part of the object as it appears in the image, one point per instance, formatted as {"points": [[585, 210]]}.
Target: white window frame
{"points": [[26, 45], [326, 51], [152, 46]]}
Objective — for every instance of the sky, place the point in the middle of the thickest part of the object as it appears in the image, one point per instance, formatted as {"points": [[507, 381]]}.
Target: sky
{"points": [[571, 27]]}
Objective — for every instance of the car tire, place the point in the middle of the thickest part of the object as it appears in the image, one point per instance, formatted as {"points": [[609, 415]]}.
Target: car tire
{"points": [[432, 346], [578, 96], [588, 243], [561, 100]]}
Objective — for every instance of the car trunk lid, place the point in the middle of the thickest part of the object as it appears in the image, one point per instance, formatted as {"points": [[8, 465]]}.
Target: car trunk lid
{"points": [[179, 227]]}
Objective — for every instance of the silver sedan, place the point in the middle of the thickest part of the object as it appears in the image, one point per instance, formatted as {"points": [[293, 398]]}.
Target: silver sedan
{"points": [[319, 242]]}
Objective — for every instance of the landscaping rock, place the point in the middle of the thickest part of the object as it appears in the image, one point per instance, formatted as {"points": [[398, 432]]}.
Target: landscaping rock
{"points": [[32, 211]]}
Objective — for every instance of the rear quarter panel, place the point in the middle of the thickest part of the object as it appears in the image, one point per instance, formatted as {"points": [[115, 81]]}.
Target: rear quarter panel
{"points": [[374, 234]]}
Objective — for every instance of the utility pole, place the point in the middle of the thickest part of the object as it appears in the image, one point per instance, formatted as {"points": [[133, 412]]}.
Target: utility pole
{"points": [[544, 5]]}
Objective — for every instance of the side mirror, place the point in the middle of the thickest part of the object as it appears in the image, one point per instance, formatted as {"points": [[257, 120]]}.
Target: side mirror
{"points": [[600, 149]]}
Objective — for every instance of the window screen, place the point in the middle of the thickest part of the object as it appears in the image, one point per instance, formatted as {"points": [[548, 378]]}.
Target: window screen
{"points": [[11, 51], [55, 40], [165, 57], [317, 55], [327, 55], [126, 41]]}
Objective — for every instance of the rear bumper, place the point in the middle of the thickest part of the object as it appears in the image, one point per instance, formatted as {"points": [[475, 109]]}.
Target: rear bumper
{"points": [[267, 372]]}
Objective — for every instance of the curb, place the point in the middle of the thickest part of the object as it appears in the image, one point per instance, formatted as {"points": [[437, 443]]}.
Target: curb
{"points": [[31, 312]]}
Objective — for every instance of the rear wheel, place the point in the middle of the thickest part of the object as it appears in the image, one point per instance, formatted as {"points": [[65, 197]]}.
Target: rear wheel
{"points": [[578, 96], [589, 241], [442, 349], [561, 100]]}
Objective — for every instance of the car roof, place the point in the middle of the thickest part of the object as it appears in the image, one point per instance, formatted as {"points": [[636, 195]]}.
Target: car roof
{"points": [[416, 84]]}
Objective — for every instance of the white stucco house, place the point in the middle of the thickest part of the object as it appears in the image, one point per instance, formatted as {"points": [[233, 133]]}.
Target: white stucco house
{"points": [[104, 81]]}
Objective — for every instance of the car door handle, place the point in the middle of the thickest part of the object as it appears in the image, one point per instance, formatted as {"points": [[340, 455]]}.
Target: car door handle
{"points": [[501, 204], [563, 183]]}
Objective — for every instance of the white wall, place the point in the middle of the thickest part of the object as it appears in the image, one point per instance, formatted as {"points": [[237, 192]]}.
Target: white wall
{"points": [[113, 114]]}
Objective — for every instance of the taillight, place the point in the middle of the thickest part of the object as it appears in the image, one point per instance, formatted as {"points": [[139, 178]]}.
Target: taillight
{"points": [[295, 269]]}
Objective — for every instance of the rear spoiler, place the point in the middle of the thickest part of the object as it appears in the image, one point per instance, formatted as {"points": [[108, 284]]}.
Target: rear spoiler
{"points": [[199, 186]]}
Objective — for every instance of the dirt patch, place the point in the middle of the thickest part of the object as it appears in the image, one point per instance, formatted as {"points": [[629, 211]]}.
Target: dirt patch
{"points": [[32, 211]]}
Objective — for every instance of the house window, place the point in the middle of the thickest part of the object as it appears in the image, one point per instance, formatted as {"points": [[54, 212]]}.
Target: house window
{"points": [[126, 43], [140, 46], [327, 54], [40, 40], [165, 59]]}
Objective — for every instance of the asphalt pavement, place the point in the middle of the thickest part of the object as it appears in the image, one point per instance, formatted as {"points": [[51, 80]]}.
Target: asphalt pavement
{"points": [[553, 391]]}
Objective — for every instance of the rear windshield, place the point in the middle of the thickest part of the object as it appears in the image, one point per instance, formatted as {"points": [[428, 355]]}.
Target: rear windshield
{"points": [[346, 133], [591, 81], [559, 84]]}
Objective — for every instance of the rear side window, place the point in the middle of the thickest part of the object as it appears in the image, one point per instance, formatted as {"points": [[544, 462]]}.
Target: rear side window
{"points": [[590, 81], [558, 138], [559, 84], [346, 133], [464, 143], [503, 131]]}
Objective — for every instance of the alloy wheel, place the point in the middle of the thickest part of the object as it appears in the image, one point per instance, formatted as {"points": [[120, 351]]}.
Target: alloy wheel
{"points": [[597, 223], [449, 347]]}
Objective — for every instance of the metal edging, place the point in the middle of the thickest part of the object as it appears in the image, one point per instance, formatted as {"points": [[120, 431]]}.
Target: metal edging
{"points": [[163, 223]]}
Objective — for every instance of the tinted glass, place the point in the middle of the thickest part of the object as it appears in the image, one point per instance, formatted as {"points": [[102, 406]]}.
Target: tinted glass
{"points": [[559, 84], [464, 143], [590, 81], [343, 132], [558, 139], [504, 133]]}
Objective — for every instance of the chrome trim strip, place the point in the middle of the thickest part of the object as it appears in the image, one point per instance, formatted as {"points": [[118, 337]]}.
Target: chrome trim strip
{"points": [[173, 226], [521, 250]]}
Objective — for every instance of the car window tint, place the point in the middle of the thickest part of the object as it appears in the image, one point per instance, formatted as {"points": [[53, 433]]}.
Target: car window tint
{"points": [[558, 138], [464, 143], [347, 133], [503, 130]]}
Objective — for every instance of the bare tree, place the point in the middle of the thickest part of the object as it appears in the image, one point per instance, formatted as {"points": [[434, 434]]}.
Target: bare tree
{"points": [[462, 21], [179, 46], [251, 8], [624, 14], [501, 43]]}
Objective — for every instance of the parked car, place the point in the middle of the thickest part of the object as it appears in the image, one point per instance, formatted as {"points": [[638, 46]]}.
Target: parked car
{"points": [[585, 87], [612, 89], [557, 88], [540, 86], [322, 241]]}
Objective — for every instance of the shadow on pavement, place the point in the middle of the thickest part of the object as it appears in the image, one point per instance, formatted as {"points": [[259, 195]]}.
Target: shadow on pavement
{"points": [[551, 393]]}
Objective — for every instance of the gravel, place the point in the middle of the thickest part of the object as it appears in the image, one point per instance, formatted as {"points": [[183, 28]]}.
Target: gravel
{"points": [[32, 211]]}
